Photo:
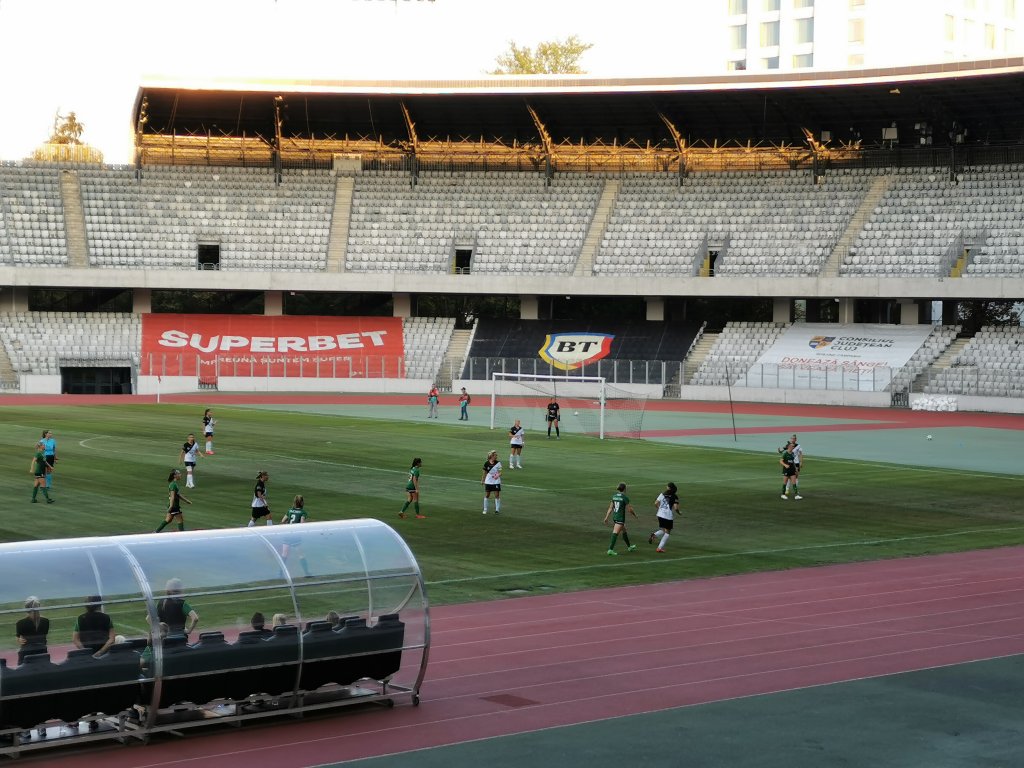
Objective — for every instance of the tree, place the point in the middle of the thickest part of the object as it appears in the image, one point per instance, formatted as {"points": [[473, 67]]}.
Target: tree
{"points": [[554, 57], [976, 314]]}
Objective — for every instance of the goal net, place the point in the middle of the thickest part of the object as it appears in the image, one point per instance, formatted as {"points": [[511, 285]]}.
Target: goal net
{"points": [[587, 404]]}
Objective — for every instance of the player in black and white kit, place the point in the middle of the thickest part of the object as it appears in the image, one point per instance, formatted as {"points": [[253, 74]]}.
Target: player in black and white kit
{"points": [[515, 449], [190, 455], [491, 481], [667, 505], [260, 505], [552, 418], [208, 424]]}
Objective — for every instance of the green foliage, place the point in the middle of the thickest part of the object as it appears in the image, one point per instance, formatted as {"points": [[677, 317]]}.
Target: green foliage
{"points": [[974, 315], [114, 461], [553, 57]]}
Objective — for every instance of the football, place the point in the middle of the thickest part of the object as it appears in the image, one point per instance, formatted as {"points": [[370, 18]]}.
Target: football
{"points": [[929, 437], [575, 413]]}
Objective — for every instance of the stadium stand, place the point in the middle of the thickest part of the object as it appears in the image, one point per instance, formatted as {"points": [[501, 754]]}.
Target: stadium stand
{"points": [[37, 342], [31, 217], [426, 342], [926, 222], [158, 221], [512, 222], [938, 341], [992, 364], [772, 223], [737, 347]]}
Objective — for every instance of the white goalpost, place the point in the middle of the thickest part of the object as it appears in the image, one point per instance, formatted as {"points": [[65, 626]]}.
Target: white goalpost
{"points": [[587, 404]]}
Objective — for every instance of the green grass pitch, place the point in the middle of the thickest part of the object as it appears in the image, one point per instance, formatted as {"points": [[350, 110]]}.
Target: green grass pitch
{"points": [[114, 461]]}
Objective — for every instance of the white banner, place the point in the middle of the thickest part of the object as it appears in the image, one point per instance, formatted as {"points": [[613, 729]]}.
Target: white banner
{"points": [[830, 356]]}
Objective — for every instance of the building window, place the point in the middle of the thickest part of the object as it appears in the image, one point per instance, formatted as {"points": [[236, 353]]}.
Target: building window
{"points": [[804, 30], [856, 3], [855, 60], [738, 37], [736, 65], [990, 37], [856, 30], [950, 28], [1010, 9], [771, 62], [803, 3], [769, 34], [737, 7], [970, 5], [803, 61], [771, 5], [1009, 39], [969, 32]]}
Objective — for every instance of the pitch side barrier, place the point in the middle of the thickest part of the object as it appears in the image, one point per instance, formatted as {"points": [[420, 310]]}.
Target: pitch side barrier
{"points": [[287, 619]]}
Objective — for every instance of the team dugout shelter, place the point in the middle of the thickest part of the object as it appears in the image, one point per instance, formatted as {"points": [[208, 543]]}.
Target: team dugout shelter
{"points": [[150, 633]]}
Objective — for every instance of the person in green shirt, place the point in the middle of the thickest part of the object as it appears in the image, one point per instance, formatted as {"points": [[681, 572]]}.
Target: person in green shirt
{"points": [[412, 490], [174, 499], [39, 468], [617, 509], [294, 516]]}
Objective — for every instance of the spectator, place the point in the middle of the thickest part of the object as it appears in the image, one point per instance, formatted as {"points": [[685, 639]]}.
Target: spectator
{"points": [[93, 629], [258, 623], [31, 631], [174, 611]]}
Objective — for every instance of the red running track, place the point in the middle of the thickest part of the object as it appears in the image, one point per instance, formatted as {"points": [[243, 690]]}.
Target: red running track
{"points": [[517, 665]]}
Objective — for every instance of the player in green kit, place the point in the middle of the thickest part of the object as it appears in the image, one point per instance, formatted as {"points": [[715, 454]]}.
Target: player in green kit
{"points": [[295, 516], [412, 490], [617, 509], [38, 468]]}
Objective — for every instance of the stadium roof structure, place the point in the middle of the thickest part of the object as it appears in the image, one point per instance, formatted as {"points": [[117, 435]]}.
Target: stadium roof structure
{"points": [[975, 102]]}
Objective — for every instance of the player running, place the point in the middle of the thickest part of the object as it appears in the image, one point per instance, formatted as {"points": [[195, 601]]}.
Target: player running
{"points": [[294, 516], [667, 505], [617, 509]]}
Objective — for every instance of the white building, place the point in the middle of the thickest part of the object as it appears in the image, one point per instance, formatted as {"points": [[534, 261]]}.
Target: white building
{"points": [[788, 35]]}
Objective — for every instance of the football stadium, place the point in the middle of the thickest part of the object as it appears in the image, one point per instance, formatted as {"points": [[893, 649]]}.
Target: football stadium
{"points": [[537, 361]]}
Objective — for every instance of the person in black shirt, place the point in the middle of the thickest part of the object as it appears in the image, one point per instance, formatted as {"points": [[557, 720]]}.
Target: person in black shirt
{"points": [[31, 631], [94, 629], [552, 418], [260, 505]]}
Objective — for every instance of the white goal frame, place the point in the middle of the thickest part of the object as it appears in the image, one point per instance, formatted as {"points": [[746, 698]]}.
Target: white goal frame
{"points": [[566, 381]]}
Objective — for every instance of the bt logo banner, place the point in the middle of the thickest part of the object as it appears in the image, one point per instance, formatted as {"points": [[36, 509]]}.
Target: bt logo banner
{"points": [[569, 351]]}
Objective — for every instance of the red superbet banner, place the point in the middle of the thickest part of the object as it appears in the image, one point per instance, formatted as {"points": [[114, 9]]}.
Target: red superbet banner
{"points": [[260, 345]]}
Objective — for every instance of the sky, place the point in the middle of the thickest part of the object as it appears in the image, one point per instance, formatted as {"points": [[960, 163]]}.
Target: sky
{"points": [[90, 56]]}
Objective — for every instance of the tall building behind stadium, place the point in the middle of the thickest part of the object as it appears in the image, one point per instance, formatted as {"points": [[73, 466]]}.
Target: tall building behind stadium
{"points": [[800, 35]]}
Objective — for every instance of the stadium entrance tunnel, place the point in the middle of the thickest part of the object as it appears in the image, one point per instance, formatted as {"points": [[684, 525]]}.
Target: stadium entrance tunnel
{"points": [[123, 637]]}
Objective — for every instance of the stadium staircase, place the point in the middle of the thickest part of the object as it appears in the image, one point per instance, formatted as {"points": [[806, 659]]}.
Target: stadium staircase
{"points": [[874, 194], [585, 263], [699, 354], [8, 377], [454, 359], [74, 219], [337, 246], [942, 362]]}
